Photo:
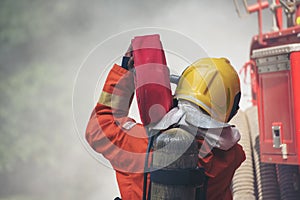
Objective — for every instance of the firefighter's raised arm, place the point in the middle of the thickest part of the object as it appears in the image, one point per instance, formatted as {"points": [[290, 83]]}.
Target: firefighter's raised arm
{"points": [[116, 136]]}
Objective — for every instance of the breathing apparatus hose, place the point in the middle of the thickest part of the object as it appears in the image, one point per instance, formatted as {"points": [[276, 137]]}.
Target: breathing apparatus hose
{"points": [[146, 168]]}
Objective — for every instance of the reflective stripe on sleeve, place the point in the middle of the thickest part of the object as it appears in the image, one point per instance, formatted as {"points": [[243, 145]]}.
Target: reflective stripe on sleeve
{"points": [[114, 101]]}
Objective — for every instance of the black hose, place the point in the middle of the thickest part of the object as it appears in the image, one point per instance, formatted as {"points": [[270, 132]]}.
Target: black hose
{"points": [[150, 143]]}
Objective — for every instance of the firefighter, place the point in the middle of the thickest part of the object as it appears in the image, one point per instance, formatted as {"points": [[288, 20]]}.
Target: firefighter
{"points": [[208, 95]]}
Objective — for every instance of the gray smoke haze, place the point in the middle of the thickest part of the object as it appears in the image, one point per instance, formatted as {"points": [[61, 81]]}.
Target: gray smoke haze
{"points": [[59, 35]]}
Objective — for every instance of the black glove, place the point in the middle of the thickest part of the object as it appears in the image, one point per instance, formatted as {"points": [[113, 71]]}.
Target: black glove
{"points": [[125, 62]]}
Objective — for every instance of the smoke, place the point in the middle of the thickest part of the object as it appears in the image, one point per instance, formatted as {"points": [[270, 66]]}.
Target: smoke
{"points": [[61, 35]]}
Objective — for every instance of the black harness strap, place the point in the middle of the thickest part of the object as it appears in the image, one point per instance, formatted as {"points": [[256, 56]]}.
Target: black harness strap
{"points": [[193, 177]]}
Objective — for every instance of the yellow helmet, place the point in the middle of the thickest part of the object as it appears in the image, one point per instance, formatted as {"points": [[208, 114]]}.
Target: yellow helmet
{"points": [[212, 84]]}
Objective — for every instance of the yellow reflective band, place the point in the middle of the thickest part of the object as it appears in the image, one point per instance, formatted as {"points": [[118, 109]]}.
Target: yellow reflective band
{"points": [[298, 21], [114, 101]]}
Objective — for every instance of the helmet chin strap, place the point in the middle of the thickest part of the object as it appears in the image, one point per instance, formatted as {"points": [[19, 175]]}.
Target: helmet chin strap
{"points": [[235, 106]]}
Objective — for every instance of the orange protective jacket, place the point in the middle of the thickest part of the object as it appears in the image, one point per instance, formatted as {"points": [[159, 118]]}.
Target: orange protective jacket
{"points": [[124, 142]]}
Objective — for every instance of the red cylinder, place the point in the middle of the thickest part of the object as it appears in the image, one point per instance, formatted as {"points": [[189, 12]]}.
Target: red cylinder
{"points": [[152, 79]]}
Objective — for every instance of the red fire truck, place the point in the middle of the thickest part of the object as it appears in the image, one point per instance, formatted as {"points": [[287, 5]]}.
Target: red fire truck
{"points": [[275, 84]]}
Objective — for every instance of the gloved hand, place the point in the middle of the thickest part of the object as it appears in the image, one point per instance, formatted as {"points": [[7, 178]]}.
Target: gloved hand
{"points": [[127, 61]]}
